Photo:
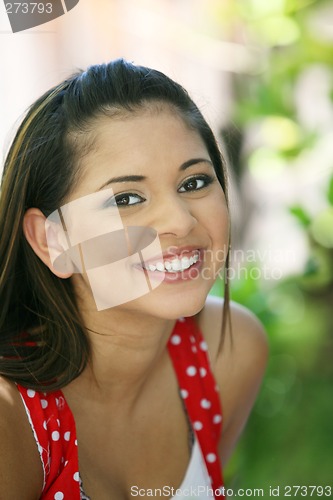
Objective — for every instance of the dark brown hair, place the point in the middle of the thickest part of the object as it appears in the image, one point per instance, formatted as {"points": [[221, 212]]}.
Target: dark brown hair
{"points": [[43, 344]]}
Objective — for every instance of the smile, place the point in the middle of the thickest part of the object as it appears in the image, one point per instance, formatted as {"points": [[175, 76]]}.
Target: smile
{"points": [[173, 266]]}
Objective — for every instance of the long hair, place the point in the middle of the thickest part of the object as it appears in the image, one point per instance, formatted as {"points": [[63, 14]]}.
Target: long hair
{"points": [[43, 344]]}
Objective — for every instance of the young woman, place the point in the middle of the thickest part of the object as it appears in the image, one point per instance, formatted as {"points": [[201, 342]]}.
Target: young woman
{"points": [[114, 360]]}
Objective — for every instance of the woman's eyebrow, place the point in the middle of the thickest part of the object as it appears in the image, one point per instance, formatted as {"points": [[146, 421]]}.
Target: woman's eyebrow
{"points": [[138, 178], [124, 178], [194, 161]]}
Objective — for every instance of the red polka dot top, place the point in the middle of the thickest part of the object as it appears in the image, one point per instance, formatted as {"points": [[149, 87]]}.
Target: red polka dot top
{"points": [[54, 430]]}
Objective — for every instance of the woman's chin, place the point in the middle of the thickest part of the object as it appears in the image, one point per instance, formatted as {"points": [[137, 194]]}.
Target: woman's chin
{"points": [[174, 309]]}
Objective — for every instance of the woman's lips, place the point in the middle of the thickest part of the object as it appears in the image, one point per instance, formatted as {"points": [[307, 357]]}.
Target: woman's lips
{"points": [[183, 267]]}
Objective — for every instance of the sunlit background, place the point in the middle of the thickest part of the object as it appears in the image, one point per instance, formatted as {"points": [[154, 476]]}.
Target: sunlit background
{"points": [[262, 73]]}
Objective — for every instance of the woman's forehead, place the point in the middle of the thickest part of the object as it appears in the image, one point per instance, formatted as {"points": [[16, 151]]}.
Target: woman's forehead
{"points": [[139, 142]]}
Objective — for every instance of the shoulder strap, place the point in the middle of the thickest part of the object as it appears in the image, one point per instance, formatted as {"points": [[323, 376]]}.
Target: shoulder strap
{"points": [[53, 427], [198, 388]]}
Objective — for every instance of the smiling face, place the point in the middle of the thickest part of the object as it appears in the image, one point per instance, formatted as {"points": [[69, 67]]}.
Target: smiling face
{"points": [[150, 170]]}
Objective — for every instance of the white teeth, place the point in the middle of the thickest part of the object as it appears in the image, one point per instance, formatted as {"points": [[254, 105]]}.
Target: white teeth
{"points": [[186, 262], [175, 265], [194, 259]]}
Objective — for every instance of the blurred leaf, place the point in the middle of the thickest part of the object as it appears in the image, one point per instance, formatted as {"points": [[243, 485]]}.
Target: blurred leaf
{"points": [[322, 228], [311, 267], [320, 263], [302, 216]]}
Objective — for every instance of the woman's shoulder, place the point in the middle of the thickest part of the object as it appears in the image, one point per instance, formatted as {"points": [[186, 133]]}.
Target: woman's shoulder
{"points": [[10, 404], [238, 365], [247, 336], [244, 350], [21, 474]]}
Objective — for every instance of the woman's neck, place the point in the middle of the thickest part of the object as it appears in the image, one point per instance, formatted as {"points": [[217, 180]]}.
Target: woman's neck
{"points": [[126, 350]]}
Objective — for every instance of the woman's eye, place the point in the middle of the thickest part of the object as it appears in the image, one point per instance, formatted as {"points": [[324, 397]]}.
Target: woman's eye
{"points": [[196, 183], [123, 200]]}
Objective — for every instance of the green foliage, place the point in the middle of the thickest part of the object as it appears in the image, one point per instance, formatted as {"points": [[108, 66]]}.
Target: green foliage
{"points": [[289, 437], [302, 216]]}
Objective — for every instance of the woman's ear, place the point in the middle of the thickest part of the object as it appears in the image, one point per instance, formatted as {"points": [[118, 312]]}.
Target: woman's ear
{"points": [[48, 241]]}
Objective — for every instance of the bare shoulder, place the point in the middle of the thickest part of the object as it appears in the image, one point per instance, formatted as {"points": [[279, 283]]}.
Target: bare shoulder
{"points": [[239, 365], [247, 337], [21, 474]]}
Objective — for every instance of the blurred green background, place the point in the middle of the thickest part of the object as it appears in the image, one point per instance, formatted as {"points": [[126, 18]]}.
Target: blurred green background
{"points": [[289, 437]]}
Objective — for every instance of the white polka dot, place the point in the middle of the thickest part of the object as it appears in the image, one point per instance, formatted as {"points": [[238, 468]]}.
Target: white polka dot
{"points": [[217, 419], [204, 403], [194, 349], [192, 339], [181, 319], [184, 393], [211, 457], [45, 425], [67, 436], [59, 495], [44, 403], [203, 372], [65, 463], [191, 371], [175, 340], [197, 426], [31, 393], [76, 477], [75, 442], [55, 436], [60, 402], [203, 345], [58, 422]]}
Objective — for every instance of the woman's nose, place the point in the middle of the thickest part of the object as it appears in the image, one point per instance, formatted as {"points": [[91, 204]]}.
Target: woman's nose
{"points": [[174, 217]]}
